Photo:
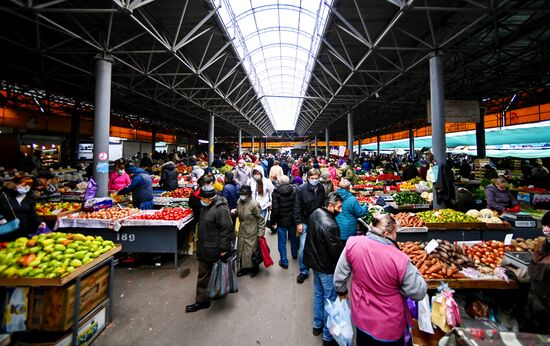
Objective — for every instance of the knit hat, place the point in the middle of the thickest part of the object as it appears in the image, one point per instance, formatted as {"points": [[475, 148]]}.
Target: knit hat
{"points": [[245, 190], [207, 191]]}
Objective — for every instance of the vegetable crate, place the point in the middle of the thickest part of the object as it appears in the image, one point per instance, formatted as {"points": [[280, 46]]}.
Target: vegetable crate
{"points": [[51, 308]]}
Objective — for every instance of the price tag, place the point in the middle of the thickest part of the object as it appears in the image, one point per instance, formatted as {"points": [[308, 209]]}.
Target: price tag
{"points": [[508, 239], [57, 211], [117, 226], [431, 246]]}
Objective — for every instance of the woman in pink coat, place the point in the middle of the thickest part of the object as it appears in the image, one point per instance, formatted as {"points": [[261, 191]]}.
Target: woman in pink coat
{"points": [[332, 170], [119, 179]]}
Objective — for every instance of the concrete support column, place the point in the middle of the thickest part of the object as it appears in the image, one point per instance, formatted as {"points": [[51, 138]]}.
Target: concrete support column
{"points": [[102, 115], [153, 141], [378, 145], [316, 149], [359, 144], [480, 137], [211, 139], [265, 147], [350, 136], [327, 143], [411, 144], [240, 144], [437, 101], [75, 130], [252, 149]]}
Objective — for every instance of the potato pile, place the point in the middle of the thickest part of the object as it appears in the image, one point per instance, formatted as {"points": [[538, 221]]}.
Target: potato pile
{"points": [[428, 266], [408, 220], [520, 244], [450, 254]]}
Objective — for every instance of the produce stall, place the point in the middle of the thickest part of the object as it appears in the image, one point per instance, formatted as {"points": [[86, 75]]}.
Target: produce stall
{"points": [[66, 280], [150, 231]]}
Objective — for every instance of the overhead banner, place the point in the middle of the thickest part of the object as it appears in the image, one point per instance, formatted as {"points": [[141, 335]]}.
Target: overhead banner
{"points": [[459, 111]]}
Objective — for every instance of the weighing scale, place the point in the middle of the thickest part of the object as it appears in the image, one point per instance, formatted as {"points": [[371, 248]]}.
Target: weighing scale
{"points": [[519, 260], [520, 220]]}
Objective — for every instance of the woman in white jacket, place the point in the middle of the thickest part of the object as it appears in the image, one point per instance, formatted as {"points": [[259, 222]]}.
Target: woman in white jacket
{"points": [[261, 189]]}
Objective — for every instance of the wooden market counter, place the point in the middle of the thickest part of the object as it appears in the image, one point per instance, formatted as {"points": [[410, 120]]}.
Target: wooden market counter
{"points": [[492, 284], [72, 283]]}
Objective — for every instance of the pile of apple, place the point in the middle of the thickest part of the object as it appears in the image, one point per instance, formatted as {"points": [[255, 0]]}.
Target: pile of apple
{"points": [[184, 192], [166, 214], [112, 214], [50, 255], [54, 208]]}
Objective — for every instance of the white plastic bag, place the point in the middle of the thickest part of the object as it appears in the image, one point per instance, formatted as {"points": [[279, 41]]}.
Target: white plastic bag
{"points": [[424, 316], [339, 321]]}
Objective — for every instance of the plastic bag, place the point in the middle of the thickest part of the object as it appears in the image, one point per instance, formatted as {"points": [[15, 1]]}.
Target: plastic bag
{"points": [[339, 321], [424, 316], [223, 279], [453, 314]]}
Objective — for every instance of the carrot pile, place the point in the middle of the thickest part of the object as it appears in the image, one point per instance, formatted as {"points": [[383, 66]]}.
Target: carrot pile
{"points": [[408, 220]]}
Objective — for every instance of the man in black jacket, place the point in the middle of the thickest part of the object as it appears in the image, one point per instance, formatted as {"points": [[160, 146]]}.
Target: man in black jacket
{"points": [[321, 253], [309, 197], [216, 239], [283, 220]]}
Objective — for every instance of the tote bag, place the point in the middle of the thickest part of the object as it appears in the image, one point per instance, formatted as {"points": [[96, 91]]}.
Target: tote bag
{"points": [[9, 226]]}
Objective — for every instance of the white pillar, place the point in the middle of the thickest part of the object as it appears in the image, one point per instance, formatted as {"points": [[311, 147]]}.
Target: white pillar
{"points": [[437, 102], [239, 150], [102, 115], [211, 140], [350, 136]]}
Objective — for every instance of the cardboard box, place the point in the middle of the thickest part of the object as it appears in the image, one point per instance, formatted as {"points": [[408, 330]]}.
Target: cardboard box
{"points": [[89, 328], [51, 308]]}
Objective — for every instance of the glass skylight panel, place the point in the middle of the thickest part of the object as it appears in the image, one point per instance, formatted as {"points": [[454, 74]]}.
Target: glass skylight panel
{"points": [[278, 42]]}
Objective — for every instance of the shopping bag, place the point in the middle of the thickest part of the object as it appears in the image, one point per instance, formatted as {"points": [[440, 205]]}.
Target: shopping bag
{"points": [[265, 252], [223, 279], [8, 226], [339, 321], [257, 257]]}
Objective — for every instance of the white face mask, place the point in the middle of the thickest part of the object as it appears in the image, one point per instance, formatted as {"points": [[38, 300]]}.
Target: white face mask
{"points": [[257, 177], [313, 182], [546, 231], [22, 190], [243, 197]]}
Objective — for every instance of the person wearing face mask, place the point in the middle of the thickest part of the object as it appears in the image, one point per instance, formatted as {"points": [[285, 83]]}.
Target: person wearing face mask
{"points": [[321, 253], [141, 188], [351, 211], [262, 188], [538, 301], [283, 221], [216, 238], [251, 227], [382, 278], [242, 174], [119, 179], [498, 196], [308, 197], [16, 201]]}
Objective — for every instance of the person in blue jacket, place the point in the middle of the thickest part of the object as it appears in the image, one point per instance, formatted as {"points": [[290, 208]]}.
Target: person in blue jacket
{"points": [[141, 188], [351, 211], [230, 191]]}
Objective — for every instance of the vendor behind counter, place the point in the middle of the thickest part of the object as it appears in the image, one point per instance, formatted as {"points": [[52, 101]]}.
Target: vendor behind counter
{"points": [[538, 306], [498, 196]]}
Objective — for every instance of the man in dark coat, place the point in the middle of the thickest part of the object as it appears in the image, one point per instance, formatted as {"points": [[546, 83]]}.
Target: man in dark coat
{"points": [[145, 161], [141, 188], [216, 238], [282, 219], [169, 176], [309, 197], [322, 251]]}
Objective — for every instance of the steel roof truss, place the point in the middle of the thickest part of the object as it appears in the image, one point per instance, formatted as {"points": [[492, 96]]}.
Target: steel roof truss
{"points": [[188, 38], [350, 29]]}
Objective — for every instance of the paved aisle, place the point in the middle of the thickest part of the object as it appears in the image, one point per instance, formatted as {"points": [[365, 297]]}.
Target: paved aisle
{"points": [[271, 309]]}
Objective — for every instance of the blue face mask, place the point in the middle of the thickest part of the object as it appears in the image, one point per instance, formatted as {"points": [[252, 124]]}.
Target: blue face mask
{"points": [[204, 204]]}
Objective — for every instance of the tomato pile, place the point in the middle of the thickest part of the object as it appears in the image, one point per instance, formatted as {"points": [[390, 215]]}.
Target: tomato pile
{"points": [[489, 253], [166, 214], [184, 192]]}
